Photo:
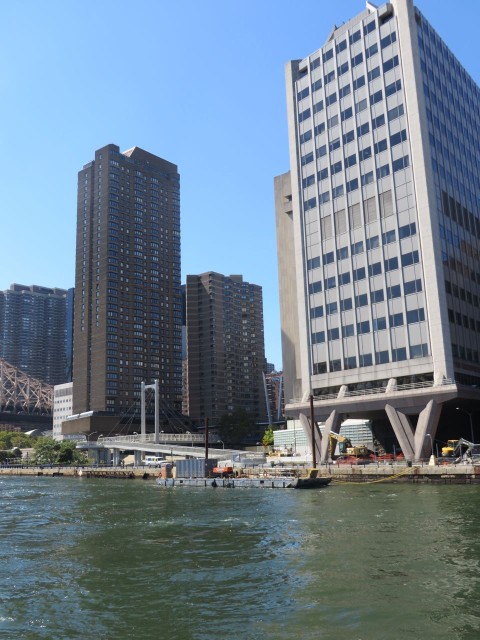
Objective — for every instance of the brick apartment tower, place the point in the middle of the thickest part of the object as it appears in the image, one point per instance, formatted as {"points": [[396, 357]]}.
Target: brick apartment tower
{"points": [[128, 317], [225, 346]]}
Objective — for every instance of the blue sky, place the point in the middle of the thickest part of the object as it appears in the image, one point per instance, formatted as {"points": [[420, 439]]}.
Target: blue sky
{"points": [[198, 83]]}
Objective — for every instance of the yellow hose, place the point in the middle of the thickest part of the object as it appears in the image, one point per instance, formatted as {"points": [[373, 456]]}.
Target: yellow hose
{"points": [[409, 470]]}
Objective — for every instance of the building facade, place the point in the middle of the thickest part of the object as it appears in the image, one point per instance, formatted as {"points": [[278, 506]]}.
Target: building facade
{"points": [[274, 396], [225, 346], [127, 312], [380, 217], [62, 407], [33, 331]]}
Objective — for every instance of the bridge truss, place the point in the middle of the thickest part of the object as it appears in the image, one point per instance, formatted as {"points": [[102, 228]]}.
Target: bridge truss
{"points": [[20, 393]]}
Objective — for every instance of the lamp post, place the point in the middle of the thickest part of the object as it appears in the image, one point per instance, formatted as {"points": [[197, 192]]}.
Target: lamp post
{"points": [[223, 444], [470, 415], [433, 460], [427, 435]]}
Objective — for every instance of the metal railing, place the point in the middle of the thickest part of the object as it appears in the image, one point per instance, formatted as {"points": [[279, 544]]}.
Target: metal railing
{"points": [[377, 390], [163, 438]]}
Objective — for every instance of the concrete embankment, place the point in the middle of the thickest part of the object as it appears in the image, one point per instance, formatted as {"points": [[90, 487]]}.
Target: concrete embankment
{"points": [[417, 473], [81, 472]]}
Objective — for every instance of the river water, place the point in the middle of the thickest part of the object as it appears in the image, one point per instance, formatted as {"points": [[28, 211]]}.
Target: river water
{"points": [[120, 559]]}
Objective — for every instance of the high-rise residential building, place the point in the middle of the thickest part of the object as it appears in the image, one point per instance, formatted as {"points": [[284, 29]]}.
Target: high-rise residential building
{"points": [[69, 334], [33, 331], [225, 346], [128, 314], [378, 228]]}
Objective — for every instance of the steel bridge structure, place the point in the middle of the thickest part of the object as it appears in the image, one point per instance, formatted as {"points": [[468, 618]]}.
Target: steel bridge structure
{"points": [[21, 393]]}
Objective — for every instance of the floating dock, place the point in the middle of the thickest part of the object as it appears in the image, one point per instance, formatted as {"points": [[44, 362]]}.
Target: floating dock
{"points": [[278, 482]]}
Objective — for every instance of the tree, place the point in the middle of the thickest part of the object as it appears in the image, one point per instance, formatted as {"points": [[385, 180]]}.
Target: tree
{"points": [[267, 439], [11, 439], [50, 451]]}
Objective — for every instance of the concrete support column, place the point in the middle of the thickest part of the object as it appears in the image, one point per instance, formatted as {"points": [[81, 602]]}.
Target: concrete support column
{"points": [[427, 424], [391, 384], [307, 429], [137, 458], [333, 423], [403, 430], [116, 457]]}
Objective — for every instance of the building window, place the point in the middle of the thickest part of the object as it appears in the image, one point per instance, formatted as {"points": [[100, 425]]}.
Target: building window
{"points": [[394, 292], [318, 337], [348, 330], [413, 286], [359, 274], [361, 300], [381, 357], [333, 334], [357, 248], [363, 327], [415, 315], [396, 320], [365, 360], [379, 324], [377, 296], [391, 264], [410, 258], [401, 163], [399, 354], [350, 362], [419, 350]]}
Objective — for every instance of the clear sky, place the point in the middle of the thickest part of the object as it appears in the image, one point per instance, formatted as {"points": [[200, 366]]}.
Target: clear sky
{"points": [[199, 83]]}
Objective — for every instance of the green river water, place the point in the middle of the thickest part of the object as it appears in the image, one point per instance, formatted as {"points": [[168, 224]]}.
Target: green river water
{"points": [[121, 559]]}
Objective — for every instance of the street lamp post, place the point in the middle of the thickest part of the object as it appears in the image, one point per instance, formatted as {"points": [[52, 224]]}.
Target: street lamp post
{"points": [[223, 444], [470, 416]]}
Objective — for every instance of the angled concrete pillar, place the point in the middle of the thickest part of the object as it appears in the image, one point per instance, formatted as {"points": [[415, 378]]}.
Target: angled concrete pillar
{"points": [[333, 423], [427, 424], [403, 430], [307, 430]]}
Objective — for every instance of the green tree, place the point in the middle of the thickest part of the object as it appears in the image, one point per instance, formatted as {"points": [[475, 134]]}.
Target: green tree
{"points": [[50, 451], [267, 439]]}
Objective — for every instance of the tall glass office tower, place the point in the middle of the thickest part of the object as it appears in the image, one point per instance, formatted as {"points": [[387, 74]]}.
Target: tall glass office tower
{"points": [[380, 215]]}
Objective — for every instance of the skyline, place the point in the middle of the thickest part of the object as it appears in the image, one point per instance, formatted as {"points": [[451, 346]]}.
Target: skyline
{"points": [[211, 99]]}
